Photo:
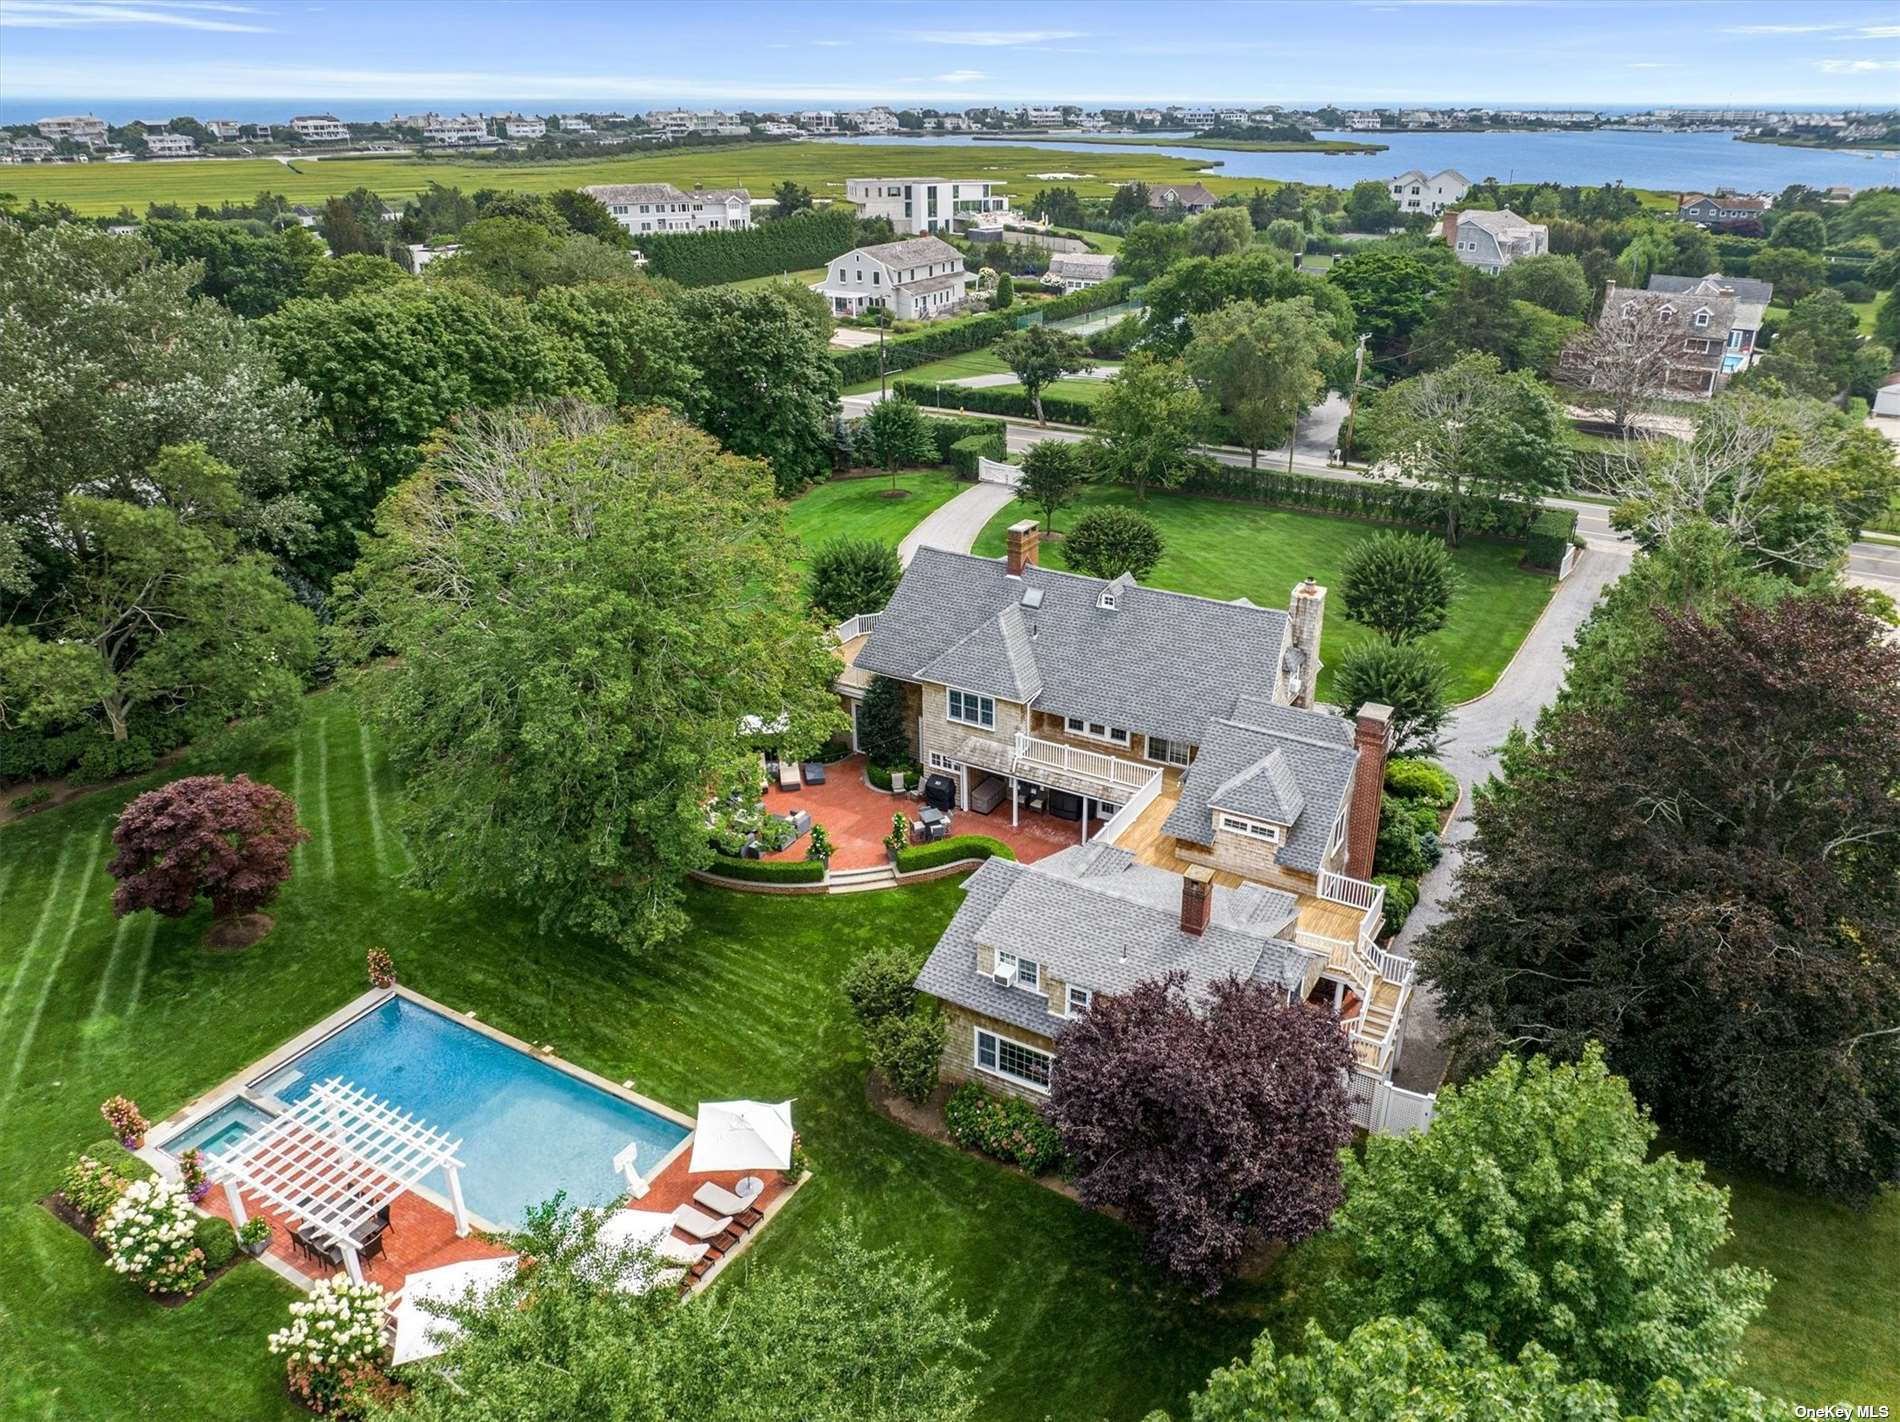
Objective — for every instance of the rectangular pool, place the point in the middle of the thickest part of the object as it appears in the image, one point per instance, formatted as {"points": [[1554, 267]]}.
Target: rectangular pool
{"points": [[529, 1130]]}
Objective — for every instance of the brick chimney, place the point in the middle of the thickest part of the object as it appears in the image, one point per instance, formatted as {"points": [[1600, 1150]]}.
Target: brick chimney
{"points": [[1449, 225], [1307, 612], [1373, 736], [1197, 899], [1022, 546]]}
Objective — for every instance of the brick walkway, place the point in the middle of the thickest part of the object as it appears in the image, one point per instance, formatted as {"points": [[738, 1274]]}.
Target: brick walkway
{"points": [[858, 817]]}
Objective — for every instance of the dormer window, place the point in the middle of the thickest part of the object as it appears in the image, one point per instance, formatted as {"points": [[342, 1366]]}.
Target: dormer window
{"points": [[1669, 311], [1629, 310], [1024, 973], [1253, 829], [1702, 317], [1079, 1000], [1107, 600]]}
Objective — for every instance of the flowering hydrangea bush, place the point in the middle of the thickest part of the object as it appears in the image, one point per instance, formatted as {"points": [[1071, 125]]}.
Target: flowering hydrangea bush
{"points": [[148, 1237], [334, 1345], [382, 968], [122, 1114], [1003, 1126], [191, 1165], [91, 1186]]}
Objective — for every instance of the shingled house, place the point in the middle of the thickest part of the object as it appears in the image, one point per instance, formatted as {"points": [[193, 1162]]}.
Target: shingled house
{"points": [[1693, 334], [1179, 730], [1751, 308]]}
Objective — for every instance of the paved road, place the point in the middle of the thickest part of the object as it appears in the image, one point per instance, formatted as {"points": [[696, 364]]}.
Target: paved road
{"points": [[956, 524], [1470, 752]]}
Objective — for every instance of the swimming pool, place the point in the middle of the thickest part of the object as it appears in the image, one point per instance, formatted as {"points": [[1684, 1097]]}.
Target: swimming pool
{"points": [[528, 1128], [220, 1130]]}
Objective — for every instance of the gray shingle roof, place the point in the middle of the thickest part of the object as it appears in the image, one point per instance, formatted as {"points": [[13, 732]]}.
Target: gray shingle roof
{"points": [[1265, 790], [912, 252], [1744, 289], [1162, 663], [1095, 917], [1317, 753], [660, 192]]}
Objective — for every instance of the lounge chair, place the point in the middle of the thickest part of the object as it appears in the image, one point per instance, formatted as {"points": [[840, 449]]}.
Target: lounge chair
{"points": [[788, 778], [722, 1201], [678, 1251], [703, 1226]]}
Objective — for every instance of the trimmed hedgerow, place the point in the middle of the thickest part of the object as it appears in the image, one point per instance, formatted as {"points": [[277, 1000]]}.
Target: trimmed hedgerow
{"points": [[965, 453], [769, 871], [968, 333], [951, 430], [914, 857], [1386, 503], [997, 400], [216, 1240], [1005, 1127], [806, 239], [1549, 538]]}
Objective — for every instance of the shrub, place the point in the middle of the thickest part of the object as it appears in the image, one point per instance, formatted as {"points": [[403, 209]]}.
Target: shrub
{"points": [[1116, 341], [148, 1236], [256, 1231], [1399, 584], [334, 1342], [965, 453], [1549, 538], [913, 857], [768, 871], [32, 798], [821, 847], [805, 239], [1407, 676], [1112, 540], [907, 1051], [216, 1240], [851, 575], [127, 1122], [1401, 848], [880, 984], [191, 1171], [883, 732], [1401, 897], [997, 400], [947, 430], [1004, 1127], [1411, 779], [880, 775], [92, 1186]]}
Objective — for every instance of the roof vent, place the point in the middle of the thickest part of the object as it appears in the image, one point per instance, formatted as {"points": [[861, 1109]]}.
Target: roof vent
{"points": [[1032, 597]]}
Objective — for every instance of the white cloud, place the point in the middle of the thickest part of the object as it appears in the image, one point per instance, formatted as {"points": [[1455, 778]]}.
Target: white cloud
{"points": [[1857, 66], [75, 15], [960, 76], [1646, 64], [1859, 28], [992, 39], [1880, 32]]}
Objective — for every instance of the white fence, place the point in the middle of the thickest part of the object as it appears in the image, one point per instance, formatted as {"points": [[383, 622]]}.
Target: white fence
{"points": [[1382, 1109], [994, 471], [1131, 810], [1569, 562]]}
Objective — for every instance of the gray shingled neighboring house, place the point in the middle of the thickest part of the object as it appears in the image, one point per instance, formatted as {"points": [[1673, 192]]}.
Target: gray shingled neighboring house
{"points": [[1491, 241], [1180, 197], [1751, 308], [1698, 325]]}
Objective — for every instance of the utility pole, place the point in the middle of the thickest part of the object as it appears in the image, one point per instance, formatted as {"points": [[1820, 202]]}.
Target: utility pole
{"points": [[1352, 401], [881, 390]]}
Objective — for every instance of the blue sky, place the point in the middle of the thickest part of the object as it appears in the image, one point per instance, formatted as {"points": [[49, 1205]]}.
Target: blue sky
{"points": [[952, 53]]}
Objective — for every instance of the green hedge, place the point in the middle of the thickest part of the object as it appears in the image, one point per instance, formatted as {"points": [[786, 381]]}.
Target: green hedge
{"points": [[996, 400], [965, 453], [950, 430], [970, 333], [1387, 503], [880, 775], [806, 239], [768, 871], [914, 857], [1549, 538]]}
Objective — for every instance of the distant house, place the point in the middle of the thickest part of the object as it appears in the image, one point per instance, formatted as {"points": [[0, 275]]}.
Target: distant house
{"points": [[879, 120], [320, 128], [1697, 325], [1751, 305], [80, 128], [170, 145], [1179, 197], [459, 131], [29, 150], [916, 279], [1491, 241], [644, 208], [574, 123], [422, 253], [1729, 207], [1076, 270], [516, 126], [916, 206], [1840, 192], [1415, 192], [225, 130]]}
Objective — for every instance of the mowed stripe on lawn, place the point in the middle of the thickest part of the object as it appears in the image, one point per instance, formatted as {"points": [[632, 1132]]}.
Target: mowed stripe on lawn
{"points": [[80, 904], [32, 944]]}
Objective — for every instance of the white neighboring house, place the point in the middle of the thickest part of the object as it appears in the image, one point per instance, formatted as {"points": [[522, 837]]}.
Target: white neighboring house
{"points": [[1076, 270], [170, 145], [914, 280], [518, 126], [421, 254], [1491, 241], [675, 123], [28, 150], [879, 120], [80, 128], [320, 128], [644, 208], [462, 129], [574, 123], [225, 130], [1414, 192], [920, 205]]}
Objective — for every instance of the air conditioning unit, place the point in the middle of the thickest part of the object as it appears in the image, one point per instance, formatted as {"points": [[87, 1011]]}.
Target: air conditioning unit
{"points": [[1004, 978]]}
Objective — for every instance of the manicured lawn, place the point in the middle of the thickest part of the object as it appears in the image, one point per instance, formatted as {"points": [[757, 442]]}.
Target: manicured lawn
{"points": [[862, 508], [1086, 391], [1864, 313], [807, 276], [746, 1004], [980, 362], [1228, 550]]}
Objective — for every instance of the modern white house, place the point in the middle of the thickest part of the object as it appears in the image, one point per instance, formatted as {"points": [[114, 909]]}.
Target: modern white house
{"points": [[916, 279], [29, 150], [644, 208], [80, 128], [462, 129], [877, 120], [919, 205], [1491, 241], [1413, 191], [320, 128], [574, 123], [170, 145]]}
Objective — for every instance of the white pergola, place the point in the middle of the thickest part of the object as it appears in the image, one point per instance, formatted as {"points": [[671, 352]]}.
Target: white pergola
{"points": [[334, 1160]]}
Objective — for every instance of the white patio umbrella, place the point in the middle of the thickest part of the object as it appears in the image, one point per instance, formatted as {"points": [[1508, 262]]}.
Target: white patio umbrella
{"points": [[420, 1334], [742, 1135]]}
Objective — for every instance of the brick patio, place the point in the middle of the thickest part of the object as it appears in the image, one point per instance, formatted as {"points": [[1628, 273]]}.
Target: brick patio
{"points": [[858, 817]]}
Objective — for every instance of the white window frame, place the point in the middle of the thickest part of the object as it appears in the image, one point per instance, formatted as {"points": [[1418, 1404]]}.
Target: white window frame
{"points": [[1338, 836], [1095, 730], [1148, 752], [1070, 1004], [940, 761], [956, 698], [1015, 966], [1701, 319], [996, 1051], [1253, 829]]}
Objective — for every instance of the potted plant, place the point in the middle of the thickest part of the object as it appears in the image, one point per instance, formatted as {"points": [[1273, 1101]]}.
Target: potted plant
{"points": [[122, 1114], [820, 847], [382, 968], [191, 1168], [898, 837], [254, 1237]]}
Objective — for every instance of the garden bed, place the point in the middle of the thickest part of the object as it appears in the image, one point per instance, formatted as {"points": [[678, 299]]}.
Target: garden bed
{"points": [[60, 1209], [927, 1120]]}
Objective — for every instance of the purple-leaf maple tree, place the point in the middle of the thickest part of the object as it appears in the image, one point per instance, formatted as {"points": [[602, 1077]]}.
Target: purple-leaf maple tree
{"points": [[204, 837], [1205, 1123]]}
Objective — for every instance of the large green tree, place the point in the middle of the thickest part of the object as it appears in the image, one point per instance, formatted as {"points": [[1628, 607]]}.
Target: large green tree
{"points": [[252, 272], [1369, 207], [1263, 366], [1040, 355], [1394, 1368], [1470, 430], [1394, 289], [1733, 935], [1150, 248], [1198, 285], [583, 611], [1399, 584], [636, 333], [106, 358], [1220, 231], [1147, 423], [768, 384], [1532, 1212]]}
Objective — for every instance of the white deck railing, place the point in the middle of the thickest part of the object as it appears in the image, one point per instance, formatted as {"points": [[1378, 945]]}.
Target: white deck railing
{"points": [[1034, 752], [856, 626], [1343, 889], [1131, 809], [1382, 1109]]}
